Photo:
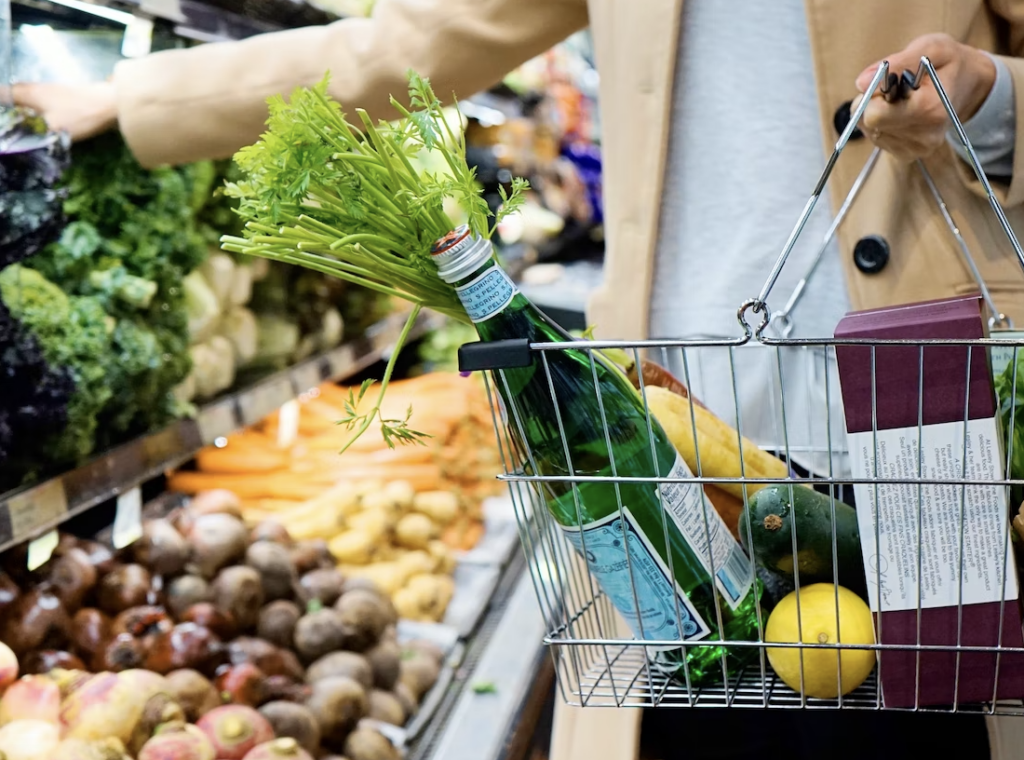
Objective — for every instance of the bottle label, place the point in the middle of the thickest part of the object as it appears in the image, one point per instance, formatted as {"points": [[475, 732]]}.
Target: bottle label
{"points": [[636, 580], [711, 541], [487, 294]]}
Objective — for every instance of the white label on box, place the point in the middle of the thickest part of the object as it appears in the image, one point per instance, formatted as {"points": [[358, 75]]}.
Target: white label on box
{"points": [[986, 550]]}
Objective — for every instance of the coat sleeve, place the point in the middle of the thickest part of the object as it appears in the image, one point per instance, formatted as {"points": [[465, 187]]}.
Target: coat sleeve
{"points": [[207, 102], [1012, 13]]}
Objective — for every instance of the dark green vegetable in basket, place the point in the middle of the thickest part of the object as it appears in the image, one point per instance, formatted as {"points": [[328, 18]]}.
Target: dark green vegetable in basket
{"points": [[768, 521]]}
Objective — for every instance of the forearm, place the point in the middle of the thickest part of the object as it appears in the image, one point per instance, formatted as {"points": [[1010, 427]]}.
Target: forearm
{"points": [[992, 131]]}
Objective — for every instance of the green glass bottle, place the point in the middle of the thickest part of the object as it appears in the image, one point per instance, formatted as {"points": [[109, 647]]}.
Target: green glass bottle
{"points": [[662, 594]]}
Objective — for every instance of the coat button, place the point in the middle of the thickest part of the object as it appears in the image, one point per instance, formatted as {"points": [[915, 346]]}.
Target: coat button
{"points": [[842, 118], [871, 254]]}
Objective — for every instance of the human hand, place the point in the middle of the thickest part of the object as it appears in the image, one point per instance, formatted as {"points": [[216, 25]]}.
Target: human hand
{"points": [[916, 126], [83, 110]]}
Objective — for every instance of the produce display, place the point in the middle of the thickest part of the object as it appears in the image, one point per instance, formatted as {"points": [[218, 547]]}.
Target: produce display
{"points": [[394, 516], [205, 638]]}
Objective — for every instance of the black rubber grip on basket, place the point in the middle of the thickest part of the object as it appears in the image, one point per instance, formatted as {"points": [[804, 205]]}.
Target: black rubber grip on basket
{"points": [[495, 354]]}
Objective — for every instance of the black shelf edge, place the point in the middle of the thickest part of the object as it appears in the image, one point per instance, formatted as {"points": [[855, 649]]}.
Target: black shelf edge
{"points": [[33, 511]]}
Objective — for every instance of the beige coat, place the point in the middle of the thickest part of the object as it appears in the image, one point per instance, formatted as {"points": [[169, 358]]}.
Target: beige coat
{"points": [[178, 106]]}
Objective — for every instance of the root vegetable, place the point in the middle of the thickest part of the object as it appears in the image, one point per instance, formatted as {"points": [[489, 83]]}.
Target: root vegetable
{"points": [[100, 556], [318, 633], [185, 591], [29, 740], [72, 577], [323, 584], [241, 684], [142, 622], [196, 695], [238, 591], [9, 592], [162, 548], [8, 666], [415, 531], [294, 721], [273, 562], [272, 660], [338, 703], [209, 616], [216, 501], [406, 698], [187, 645], [385, 659], [386, 707], [178, 742], [122, 652], [42, 661], [36, 620], [160, 710], [310, 554], [369, 744], [124, 587], [335, 664], [279, 749], [31, 698], [217, 540], [277, 688], [277, 622], [419, 672], [440, 506], [104, 706], [234, 730], [272, 530], [427, 647], [79, 749], [364, 616], [90, 631], [68, 681]]}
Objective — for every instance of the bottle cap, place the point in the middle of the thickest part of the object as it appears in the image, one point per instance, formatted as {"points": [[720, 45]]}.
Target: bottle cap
{"points": [[459, 253]]}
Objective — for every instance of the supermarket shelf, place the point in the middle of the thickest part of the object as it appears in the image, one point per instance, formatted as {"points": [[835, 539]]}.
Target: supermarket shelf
{"points": [[30, 512]]}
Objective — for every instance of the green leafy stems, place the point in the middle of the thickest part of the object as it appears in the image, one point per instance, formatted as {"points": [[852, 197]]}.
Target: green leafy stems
{"points": [[348, 200]]}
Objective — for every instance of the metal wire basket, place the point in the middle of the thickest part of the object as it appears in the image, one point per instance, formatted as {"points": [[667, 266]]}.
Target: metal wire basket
{"points": [[600, 663]]}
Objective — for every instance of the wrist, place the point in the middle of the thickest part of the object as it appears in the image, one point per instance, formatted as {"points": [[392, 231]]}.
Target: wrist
{"points": [[981, 77]]}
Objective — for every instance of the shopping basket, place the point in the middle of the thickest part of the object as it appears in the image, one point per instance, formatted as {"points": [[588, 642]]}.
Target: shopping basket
{"points": [[598, 663]]}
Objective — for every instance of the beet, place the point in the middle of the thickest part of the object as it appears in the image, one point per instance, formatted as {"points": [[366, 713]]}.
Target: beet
{"points": [[209, 616], [122, 652], [370, 744], [295, 721], [283, 688], [160, 710], [385, 660], [72, 577], [234, 730], [43, 661], [142, 622], [310, 555], [127, 586], [339, 704], [184, 591], [279, 749], [196, 695], [9, 591], [241, 684], [36, 620], [274, 564], [90, 631], [216, 540], [348, 664], [238, 590], [271, 530], [161, 548], [323, 584], [277, 621], [99, 556], [318, 633], [264, 655], [187, 645], [178, 741]]}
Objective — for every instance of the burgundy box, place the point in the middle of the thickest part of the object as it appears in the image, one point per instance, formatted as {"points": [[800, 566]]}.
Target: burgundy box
{"points": [[897, 412]]}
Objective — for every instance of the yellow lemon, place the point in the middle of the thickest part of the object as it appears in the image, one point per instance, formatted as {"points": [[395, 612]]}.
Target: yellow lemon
{"points": [[817, 624]]}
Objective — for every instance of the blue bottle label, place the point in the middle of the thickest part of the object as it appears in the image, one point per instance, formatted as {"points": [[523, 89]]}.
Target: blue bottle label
{"points": [[487, 294], [636, 580]]}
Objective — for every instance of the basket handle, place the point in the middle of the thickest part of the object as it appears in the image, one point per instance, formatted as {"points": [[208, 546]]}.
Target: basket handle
{"points": [[893, 88]]}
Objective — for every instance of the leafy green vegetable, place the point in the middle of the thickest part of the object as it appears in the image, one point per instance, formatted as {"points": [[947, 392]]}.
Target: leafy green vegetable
{"points": [[344, 199], [1009, 388]]}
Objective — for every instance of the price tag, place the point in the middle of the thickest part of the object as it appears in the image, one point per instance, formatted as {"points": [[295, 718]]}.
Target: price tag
{"points": [[41, 549], [37, 508], [138, 38], [288, 424], [266, 398], [128, 518], [217, 421], [1003, 355]]}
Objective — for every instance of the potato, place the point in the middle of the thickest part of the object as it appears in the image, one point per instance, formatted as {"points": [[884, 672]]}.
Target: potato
{"points": [[352, 547], [416, 562], [385, 707], [440, 506], [387, 576], [380, 501], [443, 556], [407, 604], [415, 531], [347, 664], [375, 523], [430, 594], [401, 492]]}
